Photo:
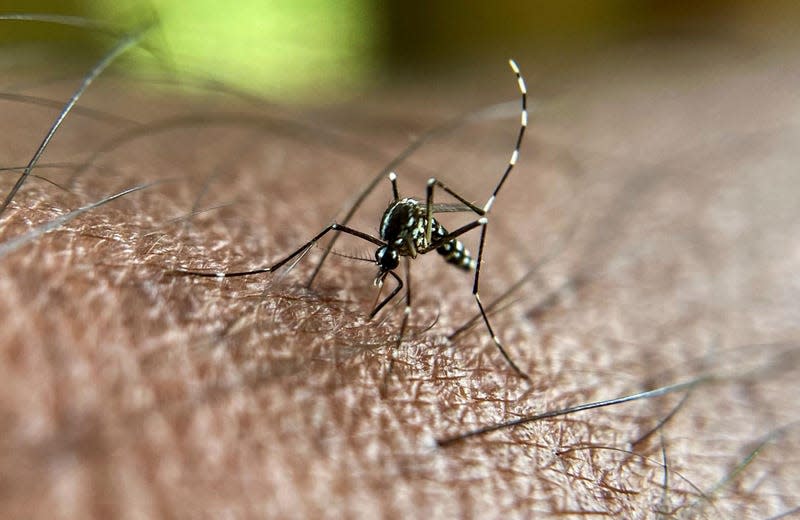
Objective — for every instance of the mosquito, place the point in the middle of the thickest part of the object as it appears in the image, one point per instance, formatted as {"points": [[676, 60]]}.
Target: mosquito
{"points": [[409, 229]]}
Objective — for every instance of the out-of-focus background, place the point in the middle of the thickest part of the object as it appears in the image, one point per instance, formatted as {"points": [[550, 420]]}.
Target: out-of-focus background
{"points": [[318, 50], [651, 221]]}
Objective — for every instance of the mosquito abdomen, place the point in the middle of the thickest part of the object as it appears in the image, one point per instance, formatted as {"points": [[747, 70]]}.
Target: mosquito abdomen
{"points": [[455, 253]]}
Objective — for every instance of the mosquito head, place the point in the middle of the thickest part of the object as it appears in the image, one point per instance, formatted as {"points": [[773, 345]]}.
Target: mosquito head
{"points": [[387, 259]]}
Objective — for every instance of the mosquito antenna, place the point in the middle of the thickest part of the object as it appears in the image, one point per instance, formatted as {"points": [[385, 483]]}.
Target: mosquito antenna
{"points": [[353, 257]]}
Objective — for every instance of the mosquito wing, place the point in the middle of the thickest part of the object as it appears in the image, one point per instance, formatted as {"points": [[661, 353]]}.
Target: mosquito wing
{"points": [[449, 207]]}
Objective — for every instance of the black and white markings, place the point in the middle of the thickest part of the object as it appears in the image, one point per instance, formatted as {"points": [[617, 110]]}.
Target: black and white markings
{"points": [[408, 229]]}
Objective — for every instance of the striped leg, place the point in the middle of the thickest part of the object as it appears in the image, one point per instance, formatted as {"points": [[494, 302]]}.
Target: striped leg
{"points": [[476, 293], [483, 221], [280, 263]]}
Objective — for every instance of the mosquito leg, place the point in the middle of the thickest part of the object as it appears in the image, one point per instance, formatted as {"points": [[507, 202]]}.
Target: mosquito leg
{"points": [[407, 309], [475, 292], [282, 262], [391, 296], [432, 182], [403, 326], [393, 180], [455, 234], [482, 222], [523, 124]]}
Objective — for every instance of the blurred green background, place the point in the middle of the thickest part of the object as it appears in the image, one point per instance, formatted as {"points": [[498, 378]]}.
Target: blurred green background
{"points": [[303, 50]]}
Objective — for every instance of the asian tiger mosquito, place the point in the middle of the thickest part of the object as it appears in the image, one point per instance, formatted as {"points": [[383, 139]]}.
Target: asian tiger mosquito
{"points": [[408, 229]]}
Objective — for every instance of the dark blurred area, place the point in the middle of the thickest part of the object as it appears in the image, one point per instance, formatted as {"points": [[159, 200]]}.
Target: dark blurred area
{"points": [[291, 50], [442, 30]]}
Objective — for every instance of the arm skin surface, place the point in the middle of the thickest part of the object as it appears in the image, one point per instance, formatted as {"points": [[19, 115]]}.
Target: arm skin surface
{"points": [[654, 211]]}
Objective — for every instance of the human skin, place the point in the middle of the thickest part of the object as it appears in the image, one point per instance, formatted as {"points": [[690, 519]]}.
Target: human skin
{"points": [[656, 213]]}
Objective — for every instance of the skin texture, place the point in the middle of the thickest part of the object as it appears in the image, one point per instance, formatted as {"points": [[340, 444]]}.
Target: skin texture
{"points": [[653, 217]]}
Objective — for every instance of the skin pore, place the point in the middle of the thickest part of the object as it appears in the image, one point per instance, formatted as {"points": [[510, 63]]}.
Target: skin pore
{"points": [[651, 217]]}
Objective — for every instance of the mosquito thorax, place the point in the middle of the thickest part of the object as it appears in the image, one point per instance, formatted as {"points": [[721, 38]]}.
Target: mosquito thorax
{"points": [[402, 218]]}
